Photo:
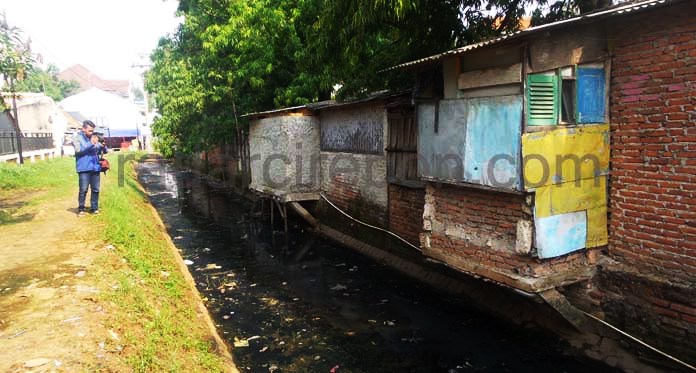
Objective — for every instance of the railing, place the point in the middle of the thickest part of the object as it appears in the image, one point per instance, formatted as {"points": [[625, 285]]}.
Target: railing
{"points": [[30, 141]]}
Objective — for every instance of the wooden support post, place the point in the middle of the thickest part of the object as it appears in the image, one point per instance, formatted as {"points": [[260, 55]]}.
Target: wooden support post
{"points": [[283, 209]]}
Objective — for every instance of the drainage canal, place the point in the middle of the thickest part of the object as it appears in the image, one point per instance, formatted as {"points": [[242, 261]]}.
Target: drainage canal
{"points": [[304, 304]]}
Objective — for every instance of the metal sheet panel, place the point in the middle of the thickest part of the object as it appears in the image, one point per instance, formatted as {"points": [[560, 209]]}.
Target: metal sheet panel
{"points": [[466, 135], [565, 154], [597, 234], [355, 129], [590, 196], [569, 197], [492, 155], [442, 139], [591, 103], [560, 234]]}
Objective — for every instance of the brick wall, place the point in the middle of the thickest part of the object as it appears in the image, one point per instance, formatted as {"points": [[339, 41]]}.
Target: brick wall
{"points": [[652, 225], [357, 183], [653, 115], [406, 212], [477, 231]]}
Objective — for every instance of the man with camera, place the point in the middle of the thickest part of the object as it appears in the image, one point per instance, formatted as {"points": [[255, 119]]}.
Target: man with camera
{"points": [[87, 151]]}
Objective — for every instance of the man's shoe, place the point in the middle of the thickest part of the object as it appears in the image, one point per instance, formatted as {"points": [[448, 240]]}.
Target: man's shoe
{"points": [[81, 213], [95, 212]]}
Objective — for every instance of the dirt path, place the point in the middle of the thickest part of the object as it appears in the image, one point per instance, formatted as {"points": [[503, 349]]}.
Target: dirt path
{"points": [[50, 319]]}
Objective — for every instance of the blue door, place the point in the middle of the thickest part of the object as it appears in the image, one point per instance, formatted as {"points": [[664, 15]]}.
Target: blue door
{"points": [[591, 103]]}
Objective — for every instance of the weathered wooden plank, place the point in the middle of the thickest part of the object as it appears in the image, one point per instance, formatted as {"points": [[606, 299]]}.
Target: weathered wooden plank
{"points": [[490, 77], [578, 45]]}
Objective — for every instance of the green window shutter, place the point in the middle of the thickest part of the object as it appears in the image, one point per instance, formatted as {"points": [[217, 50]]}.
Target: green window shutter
{"points": [[543, 99]]}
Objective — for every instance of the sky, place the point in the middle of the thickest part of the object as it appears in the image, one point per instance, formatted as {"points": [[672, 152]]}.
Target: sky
{"points": [[106, 36]]}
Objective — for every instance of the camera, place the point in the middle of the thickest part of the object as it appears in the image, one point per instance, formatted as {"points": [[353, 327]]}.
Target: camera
{"points": [[100, 137]]}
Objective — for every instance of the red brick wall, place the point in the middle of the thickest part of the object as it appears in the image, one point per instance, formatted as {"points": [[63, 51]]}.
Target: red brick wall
{"points": [[406, 212], [653, 124], [652, 224], [479, 229]]}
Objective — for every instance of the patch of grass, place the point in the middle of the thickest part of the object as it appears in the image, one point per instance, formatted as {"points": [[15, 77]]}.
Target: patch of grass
{"points": [[51, 173], [33, 184], [151, 293]]}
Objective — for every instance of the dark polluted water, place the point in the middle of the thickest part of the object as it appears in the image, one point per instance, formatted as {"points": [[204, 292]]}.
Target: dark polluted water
{"points": [[305, 304]]}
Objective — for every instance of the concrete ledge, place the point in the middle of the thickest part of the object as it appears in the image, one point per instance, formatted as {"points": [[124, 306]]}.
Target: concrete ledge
{"points": [[524, 283], [32, 156]]}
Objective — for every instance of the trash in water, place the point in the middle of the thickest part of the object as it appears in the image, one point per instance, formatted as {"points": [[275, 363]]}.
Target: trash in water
{"points": [[206, 249], [334, 369], [339, 287], [254, 337], [353, 269], [390, 323], [178, 237], [263, 349], [226, 317], [212, 266], [188, 262], [241, 342]]}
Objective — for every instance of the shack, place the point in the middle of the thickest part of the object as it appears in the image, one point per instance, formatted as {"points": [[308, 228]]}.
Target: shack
{"points": [[515, 139], [368, 153], [513, 142]]}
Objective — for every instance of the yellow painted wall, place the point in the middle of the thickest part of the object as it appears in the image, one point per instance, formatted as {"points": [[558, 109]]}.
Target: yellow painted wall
{"points": [[566, 143], [566, 190], [590, 196]]}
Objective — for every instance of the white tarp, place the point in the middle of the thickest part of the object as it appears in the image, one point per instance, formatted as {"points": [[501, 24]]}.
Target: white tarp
{"points": [[117, 115]]}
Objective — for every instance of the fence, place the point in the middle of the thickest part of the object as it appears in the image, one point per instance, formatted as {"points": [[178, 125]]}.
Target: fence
{"points": [[30, 141]]}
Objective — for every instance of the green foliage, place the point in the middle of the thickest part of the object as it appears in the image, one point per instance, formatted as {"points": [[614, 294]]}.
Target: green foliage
{"points": [[258, 55], [15, 54], [47, 82]]}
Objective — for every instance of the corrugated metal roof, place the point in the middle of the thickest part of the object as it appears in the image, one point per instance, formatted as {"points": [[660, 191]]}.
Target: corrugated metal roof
{"points": [[613, 11], [275, 111], [381, 95]]}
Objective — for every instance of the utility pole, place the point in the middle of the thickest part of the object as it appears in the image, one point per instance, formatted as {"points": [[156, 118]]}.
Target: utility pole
{"points": [[15, 120]]}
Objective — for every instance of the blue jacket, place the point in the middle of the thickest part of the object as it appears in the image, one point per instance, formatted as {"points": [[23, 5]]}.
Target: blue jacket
{"points": [[87, 154]]}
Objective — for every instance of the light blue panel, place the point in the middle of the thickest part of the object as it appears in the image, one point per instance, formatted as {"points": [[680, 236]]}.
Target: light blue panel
{"points": [[493, 135], [591, 103], [441, 152], [561, 234]]}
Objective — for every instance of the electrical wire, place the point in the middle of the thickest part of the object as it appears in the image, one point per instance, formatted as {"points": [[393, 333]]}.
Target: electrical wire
{"points": [[640, 342], [368, 225]]}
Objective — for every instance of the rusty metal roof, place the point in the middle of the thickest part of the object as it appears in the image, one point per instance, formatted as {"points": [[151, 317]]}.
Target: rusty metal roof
{"points": [[317, 106], [613, 11]]}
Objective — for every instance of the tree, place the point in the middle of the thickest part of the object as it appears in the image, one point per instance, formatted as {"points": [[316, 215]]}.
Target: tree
{"points": [[48, 83], [255, 55], [228, 54], [15, 60]]}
